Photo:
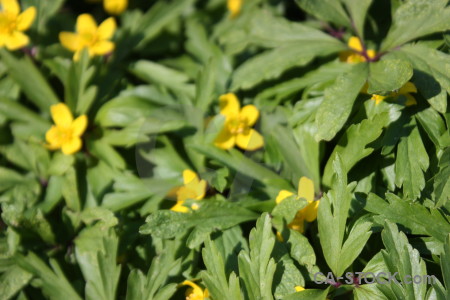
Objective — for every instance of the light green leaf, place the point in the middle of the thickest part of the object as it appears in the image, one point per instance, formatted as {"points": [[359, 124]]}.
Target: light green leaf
{"points": [[338, 101], [12, 281], [257, 268], [416, 18], [301, 250], [215, 277], [212, 215]]}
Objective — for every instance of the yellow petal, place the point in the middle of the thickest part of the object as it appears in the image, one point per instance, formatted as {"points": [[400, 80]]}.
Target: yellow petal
{"points": [[234, 6], [310, 211], [52, 138], [179, 207], [371, 53], [250, 140], [74, 145], [408, 87], [306, 188], [61, 115], [25, 19], [299, 288], [354, 43], [79, 125], [70, 41], [11, 7], [107, 29], [229, 104], [102, 48], [251, 113], [189, 176], [200, 189], [185, 193], [279, 237], [283, 194], [115, 7], [86, 24], [410, 100], [225, 140], [16, 40], [298, 224], [195, 292], [378, 98]]}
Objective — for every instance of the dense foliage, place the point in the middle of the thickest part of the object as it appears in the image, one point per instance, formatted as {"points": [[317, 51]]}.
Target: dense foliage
{"points": [[240, 149]]}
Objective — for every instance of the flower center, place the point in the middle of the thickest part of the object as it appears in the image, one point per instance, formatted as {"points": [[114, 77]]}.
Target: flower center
{"points": [[88, 39], [237, 125], [64, 135]]}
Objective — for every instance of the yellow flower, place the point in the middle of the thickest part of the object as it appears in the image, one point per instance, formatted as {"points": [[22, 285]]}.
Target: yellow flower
{"points": [[405, 90], [95, 39], [66, 133], [193, 188], [234, 7], [309, 212], [237, 128], [195, 292], [299, 288], [356, 52], [13, 23], [113, 7]]}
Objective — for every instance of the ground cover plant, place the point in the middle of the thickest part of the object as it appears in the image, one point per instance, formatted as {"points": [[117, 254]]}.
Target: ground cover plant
{"points": [[240, 149]]}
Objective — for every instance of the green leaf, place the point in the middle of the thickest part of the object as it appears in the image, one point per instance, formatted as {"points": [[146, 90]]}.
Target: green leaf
{"points": [[70, 191], [211, 216], [159, 16], [326, 10], [12, 281], [45, 10], [411, 161], [78, 94], [154, 285], [369, 292], [416, 218], [157, 73], [292, 154], [272, 63], [433, 66], [17, 112], [31, 81], [301, 250], [257, 268], [352, 146], [309, 294], [388, 75], [432, 122], [288, 208], [215, 277], [54, 283], [238, 162], [108, 154], [445, 264], [358, 10], [97, 256], [332, 218], [266, 29], [338, 102], [402, 258], [416, 18], [441, 181]]}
